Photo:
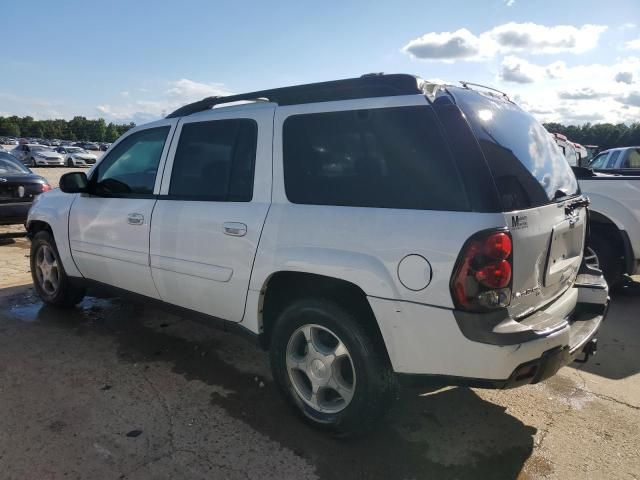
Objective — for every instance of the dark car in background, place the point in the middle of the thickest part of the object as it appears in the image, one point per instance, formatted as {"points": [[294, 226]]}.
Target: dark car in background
{"points": [[19, 186]]}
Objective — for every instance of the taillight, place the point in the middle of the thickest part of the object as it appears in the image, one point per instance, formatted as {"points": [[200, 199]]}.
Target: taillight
{"points": [[45, 187], [482, 277]]}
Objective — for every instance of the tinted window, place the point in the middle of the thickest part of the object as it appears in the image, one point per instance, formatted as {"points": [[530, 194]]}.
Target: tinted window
{"points": [[632, 159], [528, 168], [613, 158], [387, 158], [215, 161], [9, 165], [599, 161], [131, 167]]}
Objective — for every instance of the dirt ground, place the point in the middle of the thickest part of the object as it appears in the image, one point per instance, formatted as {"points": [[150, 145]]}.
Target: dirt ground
{"points": [[114, 389]]}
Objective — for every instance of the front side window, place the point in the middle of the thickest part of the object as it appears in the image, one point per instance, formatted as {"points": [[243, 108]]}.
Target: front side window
{"points": [[131, 167], [599, 161], [384, 158], [215, 161]]}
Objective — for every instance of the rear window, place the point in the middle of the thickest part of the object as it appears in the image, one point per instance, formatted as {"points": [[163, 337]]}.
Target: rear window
{"points": [[528, 168], [632, 159], [385, 158]]}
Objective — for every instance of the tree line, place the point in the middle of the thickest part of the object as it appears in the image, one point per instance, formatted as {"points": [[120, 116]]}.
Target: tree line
{"points": [[605, 135], [80, 128]]}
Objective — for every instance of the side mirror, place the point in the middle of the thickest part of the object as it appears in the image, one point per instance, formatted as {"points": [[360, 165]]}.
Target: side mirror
{"points": [[74, 182]]}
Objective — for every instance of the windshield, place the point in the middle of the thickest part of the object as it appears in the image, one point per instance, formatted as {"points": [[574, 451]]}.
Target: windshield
{"points": [[39, 148], [8, 166], [528, 168], [74, 150]]}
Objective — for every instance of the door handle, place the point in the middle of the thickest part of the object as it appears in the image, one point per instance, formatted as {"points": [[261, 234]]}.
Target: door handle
{"points": [[135, 219], [235, 229]]}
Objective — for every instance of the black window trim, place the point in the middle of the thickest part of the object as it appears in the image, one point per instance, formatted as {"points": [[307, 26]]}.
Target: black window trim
{"points": [[210, 198], [94, 172]]}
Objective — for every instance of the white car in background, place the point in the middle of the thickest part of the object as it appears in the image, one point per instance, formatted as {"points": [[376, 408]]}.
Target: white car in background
{"points": [[37, 155], [77, 157]]}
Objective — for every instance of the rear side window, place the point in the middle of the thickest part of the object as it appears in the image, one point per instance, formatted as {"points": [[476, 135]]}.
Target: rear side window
{"points": [[632, 159], [385, 158], [215, 161]]}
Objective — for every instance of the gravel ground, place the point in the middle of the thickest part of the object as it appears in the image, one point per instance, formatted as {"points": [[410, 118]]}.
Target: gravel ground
{"points": [[115, 389]]}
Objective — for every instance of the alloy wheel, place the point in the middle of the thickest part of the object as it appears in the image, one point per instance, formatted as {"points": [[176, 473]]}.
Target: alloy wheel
{"points": [[47, 270], [320, 368]]}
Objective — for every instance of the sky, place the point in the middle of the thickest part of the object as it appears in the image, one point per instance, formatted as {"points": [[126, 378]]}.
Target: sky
{"points": [[567, 61]]}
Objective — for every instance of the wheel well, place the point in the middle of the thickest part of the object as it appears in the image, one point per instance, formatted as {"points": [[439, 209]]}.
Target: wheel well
{"points": [[36, 226], [603, 226], [282, 288]]}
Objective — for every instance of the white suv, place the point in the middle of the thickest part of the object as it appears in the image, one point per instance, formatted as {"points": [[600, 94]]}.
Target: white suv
{"points": [[366, 231]]}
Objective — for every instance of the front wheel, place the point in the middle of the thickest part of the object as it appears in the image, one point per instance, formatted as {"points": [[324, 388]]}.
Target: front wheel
{"points": [[32, 162], [70, 163], [330, 367], [49, 278]]}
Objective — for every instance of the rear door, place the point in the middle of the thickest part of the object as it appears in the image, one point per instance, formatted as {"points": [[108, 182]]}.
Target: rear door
{"points": [[109, 228], [537, 190], [215, 195]]}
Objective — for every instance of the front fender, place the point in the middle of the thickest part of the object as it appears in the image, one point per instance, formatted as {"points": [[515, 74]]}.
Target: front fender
{"points": [[620, 215], [53, 209]]}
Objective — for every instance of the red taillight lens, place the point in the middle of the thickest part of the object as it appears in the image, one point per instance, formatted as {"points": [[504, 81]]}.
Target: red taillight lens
{"points": [[495, 275], [498, 246], [482, 275], [45, 187]]}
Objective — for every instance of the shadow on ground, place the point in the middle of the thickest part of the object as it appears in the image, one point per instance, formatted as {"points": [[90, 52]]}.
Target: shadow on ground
{"points": [[451, 434], [619, 336]]}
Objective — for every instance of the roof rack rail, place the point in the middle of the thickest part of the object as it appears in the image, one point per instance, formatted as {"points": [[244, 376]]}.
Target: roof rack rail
{"points": [[466, 84], [370, 85]]}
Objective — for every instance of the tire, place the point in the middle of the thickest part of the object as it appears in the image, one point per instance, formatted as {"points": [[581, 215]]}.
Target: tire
{"points": [[70, 163], [610, 263], [32, 163], [364, 379], [49, 278]]}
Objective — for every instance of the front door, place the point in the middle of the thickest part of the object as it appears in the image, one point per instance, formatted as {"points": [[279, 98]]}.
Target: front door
{"points": [[215, 194], [109, 228]]}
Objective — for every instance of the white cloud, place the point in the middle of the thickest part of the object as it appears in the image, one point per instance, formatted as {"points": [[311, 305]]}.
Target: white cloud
{"points": [[509, 3], [631, 99], [507, 38], [585, 93], [176, 94], [624, 77], [533, 38], [633, 44], [444, 46], [124, 94], [517, 70]]}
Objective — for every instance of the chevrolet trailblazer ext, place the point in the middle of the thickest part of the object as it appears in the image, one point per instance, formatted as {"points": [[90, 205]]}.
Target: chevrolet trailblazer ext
{"points": [[366, 231]]}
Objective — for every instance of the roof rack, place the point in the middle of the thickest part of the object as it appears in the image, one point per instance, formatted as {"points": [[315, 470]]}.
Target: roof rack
{"points": [[466, 84], [370, 85]]}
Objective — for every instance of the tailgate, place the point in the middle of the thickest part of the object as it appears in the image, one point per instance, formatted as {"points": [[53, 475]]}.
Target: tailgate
{"points": [[548, 245]]}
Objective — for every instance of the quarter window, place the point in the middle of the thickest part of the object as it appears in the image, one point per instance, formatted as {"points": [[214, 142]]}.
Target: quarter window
{"points": [[385, 158], [215, 161], [131, 167], [633, 158]]}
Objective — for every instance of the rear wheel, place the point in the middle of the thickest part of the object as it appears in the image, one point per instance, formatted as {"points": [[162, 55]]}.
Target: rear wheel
{"points": [[70, 163], [330, 367], [49, 278], [606, 259]]}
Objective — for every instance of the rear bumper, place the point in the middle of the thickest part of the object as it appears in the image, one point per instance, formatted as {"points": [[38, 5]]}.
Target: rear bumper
{"points": [[427, 347]]}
